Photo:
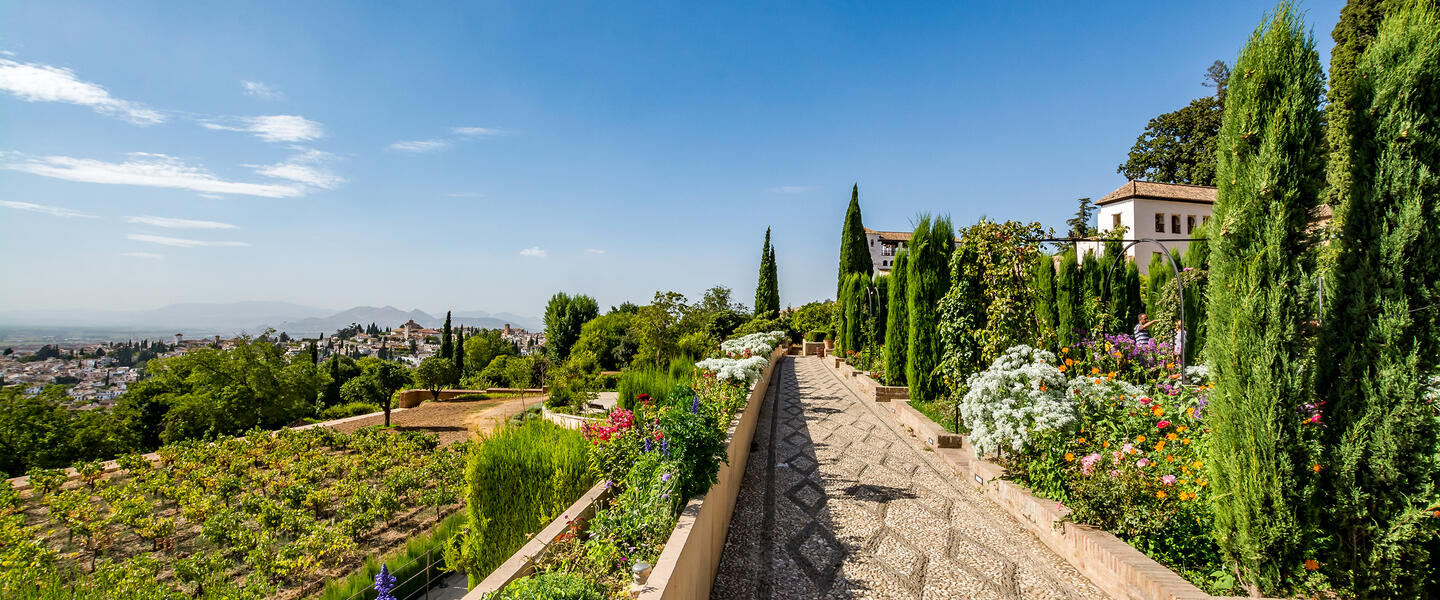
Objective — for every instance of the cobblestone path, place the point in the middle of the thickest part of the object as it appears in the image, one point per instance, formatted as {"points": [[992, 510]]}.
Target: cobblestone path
{"points": [[839, 502]]}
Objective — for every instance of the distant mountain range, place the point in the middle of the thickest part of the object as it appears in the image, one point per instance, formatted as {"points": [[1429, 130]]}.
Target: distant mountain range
{"points": [[198, 319]]}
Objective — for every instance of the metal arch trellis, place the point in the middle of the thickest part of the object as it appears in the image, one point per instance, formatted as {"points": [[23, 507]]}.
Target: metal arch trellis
{"points": [[1174, 266]]}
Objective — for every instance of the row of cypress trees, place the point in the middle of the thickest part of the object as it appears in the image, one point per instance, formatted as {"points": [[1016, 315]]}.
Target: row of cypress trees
{"points": [[1325, 443]]}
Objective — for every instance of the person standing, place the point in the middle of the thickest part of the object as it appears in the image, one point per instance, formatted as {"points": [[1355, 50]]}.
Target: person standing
{"points": [[1141, 336]]}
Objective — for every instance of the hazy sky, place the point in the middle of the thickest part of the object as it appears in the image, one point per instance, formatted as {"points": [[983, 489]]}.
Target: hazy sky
{"points": [[484, 156]]}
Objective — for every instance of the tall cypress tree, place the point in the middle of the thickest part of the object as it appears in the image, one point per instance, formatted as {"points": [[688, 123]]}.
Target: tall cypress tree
{"points": [[773, 282], [1380, 332], [879, 309], [856, 298], [1353, 33], [854, 253], [767, 297], [1069, 300], [447, 346], [460, 354], [1160, 275], [897, 325], [1042, 278], [1134, 305], [1270, 171], [929, 278]]}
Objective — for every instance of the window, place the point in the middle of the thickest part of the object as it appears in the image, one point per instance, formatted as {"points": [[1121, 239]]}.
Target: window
{"points": [[1159, 222], [1174, 223], [1189, 223], [1115, 221], [1205, 219]]}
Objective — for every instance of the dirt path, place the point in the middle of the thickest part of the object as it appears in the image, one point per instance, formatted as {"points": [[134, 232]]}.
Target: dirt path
{"points": [[452, 421]]}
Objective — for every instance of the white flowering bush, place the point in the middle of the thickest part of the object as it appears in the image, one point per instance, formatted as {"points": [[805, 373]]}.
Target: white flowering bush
{"points": [[737, 370], [1021, 394], [755, 344]]}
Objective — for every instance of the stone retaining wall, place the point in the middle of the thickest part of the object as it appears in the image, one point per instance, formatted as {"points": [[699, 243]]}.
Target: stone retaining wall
{"points": [[522, 563], [413, 398]]}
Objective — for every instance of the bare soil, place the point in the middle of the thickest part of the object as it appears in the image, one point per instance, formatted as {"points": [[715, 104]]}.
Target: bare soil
{"points": [[452, 421]]}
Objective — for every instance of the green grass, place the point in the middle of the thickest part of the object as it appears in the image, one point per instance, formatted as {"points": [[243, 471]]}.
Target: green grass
{"points": [[658, 383], [942, 415]]}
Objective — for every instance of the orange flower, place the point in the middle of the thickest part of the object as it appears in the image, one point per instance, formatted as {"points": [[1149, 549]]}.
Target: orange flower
{"points": [[1069, 362], [1182, 428], [1197, 464], [1160, 494], [1118, 354], [1311, 565], [1094, 370], [1158, 410], [1171, 436], [1069, 457], [1062, 367], [1190, 412], [1170, 366], [1043, 388], [1080, 440], [1185, 441], [1315, 468], [1139, 439], [1201, 482], [1160, 445], [1065, 350], [1169, 457], [1106, 445]]}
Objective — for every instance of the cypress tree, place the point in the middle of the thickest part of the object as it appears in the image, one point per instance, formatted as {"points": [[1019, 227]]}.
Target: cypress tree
{"points": [[929, 278], [1380, 333], [1134, 305], [1069, 300], [842, 301], [773, 282], [854, 253], [879, 309], [1160, 275], [1353, 33], [1270, 171], [332, 388], [1042, 282], [855, 311], [1094, 280], [1113, 274], [1197, 259], [767, 297], [447, 346], [897, 326], [460, 354]]}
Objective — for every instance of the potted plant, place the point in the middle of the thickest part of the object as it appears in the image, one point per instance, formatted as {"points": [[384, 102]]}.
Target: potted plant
{"points": [[829, 342]]}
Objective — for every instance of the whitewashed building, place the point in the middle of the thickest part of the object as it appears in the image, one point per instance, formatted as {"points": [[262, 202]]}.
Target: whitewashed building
{"points": [[883, 246], [1163, 211]]}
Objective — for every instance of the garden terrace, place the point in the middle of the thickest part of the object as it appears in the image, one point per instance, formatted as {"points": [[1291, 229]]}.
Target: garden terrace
{"points": [[262, 515]]}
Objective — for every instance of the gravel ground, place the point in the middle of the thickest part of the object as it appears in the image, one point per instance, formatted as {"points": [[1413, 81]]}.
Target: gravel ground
{"points": [[452, 421], [838, 503]]}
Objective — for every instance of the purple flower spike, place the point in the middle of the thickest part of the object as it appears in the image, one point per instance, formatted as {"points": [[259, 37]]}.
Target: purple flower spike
{"points": [[665, 477], [647, 445], [665, 447], [695, 404], [384, 583]]}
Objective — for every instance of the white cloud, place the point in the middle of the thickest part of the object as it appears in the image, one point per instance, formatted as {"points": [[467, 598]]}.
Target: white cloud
{"points": [[149, 255], [476, 131], [304, 168], [181, 242], [534, 251], [271, 128], [171, 223], [54, 211], [464, 195], [145, 169], [790, 189], [211, 196], [594, 251], [257, 89], [419, 146], [34, 82]]}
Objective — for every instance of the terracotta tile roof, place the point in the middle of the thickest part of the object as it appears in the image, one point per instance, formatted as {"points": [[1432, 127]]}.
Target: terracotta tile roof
{"points": [[1160, 191], [891, 236]]}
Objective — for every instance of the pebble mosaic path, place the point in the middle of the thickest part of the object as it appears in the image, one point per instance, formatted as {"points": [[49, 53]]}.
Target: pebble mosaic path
{"points": [[839, 502]]}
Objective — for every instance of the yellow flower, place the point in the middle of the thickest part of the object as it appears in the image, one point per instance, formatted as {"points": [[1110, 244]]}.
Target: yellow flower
{"points": [[1185, 441], [1069, 457], [1182, 428], [1170, 366], [1158, 410], [1190, 412], [1160, 494], [1202, 482], [1139, 439], [1065, 350], [1171, 436], [1197, 464], [1160, 445]]}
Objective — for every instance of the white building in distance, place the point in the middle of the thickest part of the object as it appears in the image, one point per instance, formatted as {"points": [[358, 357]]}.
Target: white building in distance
{"points": [[1163, 211]]}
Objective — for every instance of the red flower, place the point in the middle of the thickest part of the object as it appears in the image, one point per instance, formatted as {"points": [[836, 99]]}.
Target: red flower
{"points": [[1162, 424]]}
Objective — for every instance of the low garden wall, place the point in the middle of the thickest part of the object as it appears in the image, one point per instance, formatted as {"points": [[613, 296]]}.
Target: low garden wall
{"points": [[1106, 560], [522, 563], [566, 420], [413, 398]]}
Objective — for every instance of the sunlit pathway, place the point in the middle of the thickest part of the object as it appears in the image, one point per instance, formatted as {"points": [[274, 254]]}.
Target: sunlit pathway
{"points": [[838, 502]]}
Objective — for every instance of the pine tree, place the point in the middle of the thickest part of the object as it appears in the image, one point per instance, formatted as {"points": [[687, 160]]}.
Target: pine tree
{"points": [[447, 346], [854, 253], [1381, 335], [767, 297], [1043, 289], [929, 278], [1270, 171], [897, 326], [1069, 300]]}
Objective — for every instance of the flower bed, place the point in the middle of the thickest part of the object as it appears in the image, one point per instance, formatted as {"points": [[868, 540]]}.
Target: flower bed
{"points": [[652, 459]]}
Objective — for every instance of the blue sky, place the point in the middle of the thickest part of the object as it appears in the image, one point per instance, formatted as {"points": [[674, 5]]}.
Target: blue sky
{"points": [[484, 156]]}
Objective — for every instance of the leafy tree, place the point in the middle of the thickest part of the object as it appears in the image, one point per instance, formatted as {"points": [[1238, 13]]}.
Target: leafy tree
{"points": [[854, 253], [767, 296], [1080, 224], [1179, 146], [925, 284], [604, 344], [564, 316], [897, 326], [35, 431], [1378, 340], [813, 316], [447, 344], [434, 373], [1270, 173], [655, 326], [483, 346]]}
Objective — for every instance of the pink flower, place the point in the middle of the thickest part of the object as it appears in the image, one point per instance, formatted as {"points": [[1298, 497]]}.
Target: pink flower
{"points": [[1162, 424], [1144, 400], [1128, 449], [1087, 463], [1144, 462], [1168, 480], [1315, 418]]}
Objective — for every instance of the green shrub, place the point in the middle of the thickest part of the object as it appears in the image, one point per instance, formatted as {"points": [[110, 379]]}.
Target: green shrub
{"points": [[760, 325], [519, 479], [351, 409], [926, 283], [657, 384], [897, 326], [408, 565], [816, 336], [552, 585]]}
